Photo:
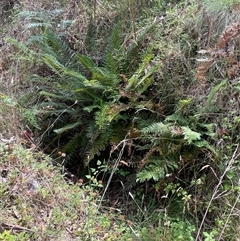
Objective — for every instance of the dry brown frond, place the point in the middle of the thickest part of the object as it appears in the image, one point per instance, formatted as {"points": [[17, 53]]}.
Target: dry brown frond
{"points": [[229, 34], [226, 50], [234, 71], [202, 70]]}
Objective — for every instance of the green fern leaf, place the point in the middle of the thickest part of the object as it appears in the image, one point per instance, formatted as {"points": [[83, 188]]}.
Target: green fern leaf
{"points": [[190, 135], [183, 104], [53, 63], [137, 80], [157, 129], [74, 74], [177, 118], [68, 127], [204, 143], [90, 38], [214, 91], [133, 52], [38, 25], [158, 167], [86, 62]]}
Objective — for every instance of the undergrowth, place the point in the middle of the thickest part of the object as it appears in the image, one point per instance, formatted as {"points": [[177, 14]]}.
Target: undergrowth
{"points": [[38, 204], [147, 105]]}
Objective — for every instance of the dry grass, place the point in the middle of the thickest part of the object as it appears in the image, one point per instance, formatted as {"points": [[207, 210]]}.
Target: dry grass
{"points": [[36, 199]]}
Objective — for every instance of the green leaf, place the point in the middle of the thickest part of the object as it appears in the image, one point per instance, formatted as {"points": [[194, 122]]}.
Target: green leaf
{"points": [[190, 135], [141, 80], [74, 74], [213, 92], [67, 127], [183, 104], [86, 62], [53, 63], [204, 143], [157, 168]]}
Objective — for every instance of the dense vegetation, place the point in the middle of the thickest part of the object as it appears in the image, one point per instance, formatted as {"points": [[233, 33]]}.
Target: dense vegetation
{"points": [[125, 117]]}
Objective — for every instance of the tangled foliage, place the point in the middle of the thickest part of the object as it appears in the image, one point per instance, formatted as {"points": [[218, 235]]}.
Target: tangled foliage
{"points": [[130, 96]]}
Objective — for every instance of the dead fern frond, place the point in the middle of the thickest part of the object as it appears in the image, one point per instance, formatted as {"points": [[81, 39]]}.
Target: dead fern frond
{"points": [[145, 160], [202, 70], [234, 71], [226, 50], [229, 34]]}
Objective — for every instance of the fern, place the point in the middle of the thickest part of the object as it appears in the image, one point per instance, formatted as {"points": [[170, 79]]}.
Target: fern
{"points": [[27, 53], [97, 144], [39, 20], [133, 52], [158, 168], [68, 127], [87, 103], [213, 92], [91, 36], [141, 80], [114, 51], [207, 145], [166, 142], [190, 135], [157, 129], [176, 118]]}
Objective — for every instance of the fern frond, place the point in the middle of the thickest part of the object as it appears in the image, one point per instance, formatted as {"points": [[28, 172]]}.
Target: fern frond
{"points": [[68, 127], [142, 79], [177, 118], [202, 70], [50, 94], [31, 55], [40, 15], [98, 140], [108, 113], [100, 74], [98, 145], [53, 64], [114, 41], [34, 15], [207, 145], [111, 63], [77, 75], [91, 36], [62, 52], [158, 168], [208, 129], [232, 32], [158, 128], [40, 19], [133, 51], [86, 62], [190, 135], [37, 25], [213, 92], [114, 51], [101, 116]]}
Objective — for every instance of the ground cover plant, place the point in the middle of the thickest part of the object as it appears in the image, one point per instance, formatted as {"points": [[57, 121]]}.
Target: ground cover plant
{"points": [[146, 104]]}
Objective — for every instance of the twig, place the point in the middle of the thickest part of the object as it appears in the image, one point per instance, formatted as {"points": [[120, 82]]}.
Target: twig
{"points": [[114, 169], [5, 226]]}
